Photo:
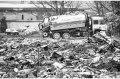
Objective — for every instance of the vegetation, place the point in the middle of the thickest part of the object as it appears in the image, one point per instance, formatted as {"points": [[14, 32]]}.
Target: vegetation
{"points": [[109, 9]]}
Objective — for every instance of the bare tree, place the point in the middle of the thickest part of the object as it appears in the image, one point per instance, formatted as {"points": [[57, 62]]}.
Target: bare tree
{"points": [[116, 11], [101, 7], [59, 7], [73, 4], [116, 7], [56, 6]]}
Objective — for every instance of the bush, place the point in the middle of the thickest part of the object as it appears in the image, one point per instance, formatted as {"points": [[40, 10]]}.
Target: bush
{"points": [[113, 22]]}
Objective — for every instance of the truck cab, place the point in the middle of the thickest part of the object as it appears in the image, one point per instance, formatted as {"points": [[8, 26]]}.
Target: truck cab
{"points": [[98, 24], [45, 26]]}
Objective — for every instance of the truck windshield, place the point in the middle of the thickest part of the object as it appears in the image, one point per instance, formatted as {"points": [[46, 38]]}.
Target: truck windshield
{"points": [[95, 22], [102, 22], [98, 22]]}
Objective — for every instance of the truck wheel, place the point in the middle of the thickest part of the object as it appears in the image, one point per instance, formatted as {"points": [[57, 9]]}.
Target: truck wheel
{"points": [[16, 33], [56, 36], [66, 35], [96, 31], [45, 34], [7, 33]]}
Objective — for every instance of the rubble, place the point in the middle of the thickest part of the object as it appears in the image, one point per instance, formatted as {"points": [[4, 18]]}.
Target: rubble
{"points": [[48, 58]]}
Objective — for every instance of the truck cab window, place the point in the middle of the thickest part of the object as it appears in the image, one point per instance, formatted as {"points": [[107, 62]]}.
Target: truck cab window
{"points": [[95, 21], [101, 22]]}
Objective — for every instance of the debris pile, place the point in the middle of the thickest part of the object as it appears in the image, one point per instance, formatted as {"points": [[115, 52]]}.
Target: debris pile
{"points": [[38, 58]]}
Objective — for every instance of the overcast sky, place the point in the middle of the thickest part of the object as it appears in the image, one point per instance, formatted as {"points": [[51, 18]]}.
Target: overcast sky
{"points": [[2, 3]]}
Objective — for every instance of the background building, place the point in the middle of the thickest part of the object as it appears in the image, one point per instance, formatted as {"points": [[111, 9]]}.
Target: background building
{"points": [[21, 14]]}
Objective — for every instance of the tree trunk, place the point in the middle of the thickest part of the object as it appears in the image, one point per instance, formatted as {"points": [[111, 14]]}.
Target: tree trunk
{"points": [[56, 7], [62, 8], [97, 6]]}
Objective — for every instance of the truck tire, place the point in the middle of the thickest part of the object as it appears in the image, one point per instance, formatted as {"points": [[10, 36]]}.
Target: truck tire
{"points": [[96, 31], [16, 33], [56, 36], [45, 34], [66, 35], [8, 33]]}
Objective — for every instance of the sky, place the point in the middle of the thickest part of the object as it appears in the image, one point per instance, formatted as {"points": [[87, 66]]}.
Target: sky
{"points": [[46, 0], [8, 2]]}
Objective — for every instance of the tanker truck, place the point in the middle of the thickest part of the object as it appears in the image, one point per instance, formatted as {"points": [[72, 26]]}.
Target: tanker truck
{"points": [[77, 24]]}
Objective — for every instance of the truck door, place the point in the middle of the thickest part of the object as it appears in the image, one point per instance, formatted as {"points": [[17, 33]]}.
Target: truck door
{"points": [[90, 26], [90, 23]]}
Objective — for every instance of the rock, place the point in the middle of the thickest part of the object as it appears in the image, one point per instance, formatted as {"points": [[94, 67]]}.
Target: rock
{"points": [[90, 51], [96, 59], [16, 70], [58, 65]]}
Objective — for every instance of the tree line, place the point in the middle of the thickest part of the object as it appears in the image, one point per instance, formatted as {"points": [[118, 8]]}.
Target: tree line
{"points": [[99, 7]]}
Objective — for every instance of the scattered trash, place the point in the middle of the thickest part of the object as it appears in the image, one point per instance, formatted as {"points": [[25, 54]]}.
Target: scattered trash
{"points": [[48, 58]]}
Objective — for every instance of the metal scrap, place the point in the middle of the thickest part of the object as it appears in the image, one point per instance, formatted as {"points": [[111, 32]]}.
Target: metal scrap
{"points": [[46, 58]]}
